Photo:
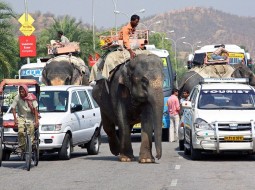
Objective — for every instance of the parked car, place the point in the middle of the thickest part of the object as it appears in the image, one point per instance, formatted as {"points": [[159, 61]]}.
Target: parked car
{"points": [[219, 117], [71, 120]]}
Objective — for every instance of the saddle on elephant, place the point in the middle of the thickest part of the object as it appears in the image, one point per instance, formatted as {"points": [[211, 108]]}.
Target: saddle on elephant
{"points": [[56, 49], [116, 54]]}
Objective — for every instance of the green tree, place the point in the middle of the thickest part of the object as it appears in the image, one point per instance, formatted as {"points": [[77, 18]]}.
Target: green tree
{"points": [[8, 44], [73, 30]]}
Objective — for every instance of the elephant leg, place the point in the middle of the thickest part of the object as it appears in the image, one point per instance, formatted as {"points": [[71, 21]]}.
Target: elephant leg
{"points": [[109, 128], [145, 155], [126, 151]]}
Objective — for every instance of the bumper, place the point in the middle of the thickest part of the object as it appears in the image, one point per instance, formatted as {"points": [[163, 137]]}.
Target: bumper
{"points": [[215, 141], [51, 141], [181, 133]]}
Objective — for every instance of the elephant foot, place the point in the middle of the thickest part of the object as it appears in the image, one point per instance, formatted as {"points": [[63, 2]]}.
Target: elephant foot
{"points": [[114, 147], [123, 158], [146, 160]]}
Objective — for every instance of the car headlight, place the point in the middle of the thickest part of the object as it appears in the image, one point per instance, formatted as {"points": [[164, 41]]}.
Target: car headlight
{"points": [[201, 124], [51, 127]]}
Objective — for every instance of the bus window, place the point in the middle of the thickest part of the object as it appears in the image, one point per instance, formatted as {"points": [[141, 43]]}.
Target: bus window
{"points": [[167, 80]]}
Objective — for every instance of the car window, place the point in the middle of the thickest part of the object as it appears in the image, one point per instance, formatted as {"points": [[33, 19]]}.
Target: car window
{"points": [[53, 101], [84, 100], [74, 100], [226, 99], [94, 102]]}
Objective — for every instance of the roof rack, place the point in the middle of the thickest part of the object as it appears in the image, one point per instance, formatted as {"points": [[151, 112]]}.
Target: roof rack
{"points": [[225, 80]]}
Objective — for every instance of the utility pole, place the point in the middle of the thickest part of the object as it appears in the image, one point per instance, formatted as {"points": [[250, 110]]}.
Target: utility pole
{"points": [[26, 19]]}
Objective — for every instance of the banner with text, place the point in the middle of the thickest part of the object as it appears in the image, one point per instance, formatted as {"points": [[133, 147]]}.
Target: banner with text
{"points": [[27, 46]]}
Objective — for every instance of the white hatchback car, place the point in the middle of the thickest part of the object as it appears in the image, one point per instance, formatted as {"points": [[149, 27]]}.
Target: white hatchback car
{"points": [[62, 126], [219, 117]]}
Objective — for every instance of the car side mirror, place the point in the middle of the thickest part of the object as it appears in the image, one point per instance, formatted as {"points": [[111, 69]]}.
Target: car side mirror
{"points": [[76, 107], [186, 105]]}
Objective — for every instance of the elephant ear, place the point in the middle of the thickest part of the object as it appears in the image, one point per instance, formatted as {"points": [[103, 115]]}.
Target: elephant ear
{"points": [[44, 76], [76, 77], [125, 74]]}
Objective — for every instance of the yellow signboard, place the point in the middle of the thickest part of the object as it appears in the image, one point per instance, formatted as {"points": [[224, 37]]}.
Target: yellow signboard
{"points": [[27, 29], [23, 20], [236, 55]]}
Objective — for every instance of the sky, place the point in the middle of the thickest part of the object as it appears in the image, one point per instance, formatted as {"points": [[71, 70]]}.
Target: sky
{"points": [[104, 9]]}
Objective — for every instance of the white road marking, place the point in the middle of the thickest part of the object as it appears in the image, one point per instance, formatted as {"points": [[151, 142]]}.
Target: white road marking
{"points": [[180, 157], [174, 182], [177, 167]]}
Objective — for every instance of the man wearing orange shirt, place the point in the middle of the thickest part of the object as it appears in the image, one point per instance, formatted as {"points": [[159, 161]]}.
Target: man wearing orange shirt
{"points": [[128, 31]]}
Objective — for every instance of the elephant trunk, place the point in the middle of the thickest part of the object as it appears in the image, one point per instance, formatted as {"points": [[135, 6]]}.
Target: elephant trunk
{"points": [[157, 102]]}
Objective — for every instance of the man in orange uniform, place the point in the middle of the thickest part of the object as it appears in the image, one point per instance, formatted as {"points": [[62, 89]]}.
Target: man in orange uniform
{"points": [[128, 31]]}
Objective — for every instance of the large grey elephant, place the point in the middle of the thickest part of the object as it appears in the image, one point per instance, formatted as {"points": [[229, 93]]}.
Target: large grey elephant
{"points": [[64, 72], [134, 94], [196, 74]]}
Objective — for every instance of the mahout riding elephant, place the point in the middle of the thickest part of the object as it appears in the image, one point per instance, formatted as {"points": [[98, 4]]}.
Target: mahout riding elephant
{"points": [[63, 71], [196, 74], [134, 94]]}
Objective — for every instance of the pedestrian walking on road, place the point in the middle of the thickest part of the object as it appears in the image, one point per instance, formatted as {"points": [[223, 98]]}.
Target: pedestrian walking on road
{"points": [[174, 111]]}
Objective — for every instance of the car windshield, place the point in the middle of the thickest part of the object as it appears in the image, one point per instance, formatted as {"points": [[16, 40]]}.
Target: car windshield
{"points": [[226, 99], [53, 101]]}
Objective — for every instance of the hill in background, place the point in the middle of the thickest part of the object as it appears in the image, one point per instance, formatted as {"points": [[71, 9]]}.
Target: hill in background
{"points": [[207, 25]]}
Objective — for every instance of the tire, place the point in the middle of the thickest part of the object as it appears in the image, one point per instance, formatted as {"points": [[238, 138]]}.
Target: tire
{"points": [[186, 151], [65, 151], [6, 155], [181, 144], [36, 152], [165, 134], [195, 154], [28, 152], [93, 145]]}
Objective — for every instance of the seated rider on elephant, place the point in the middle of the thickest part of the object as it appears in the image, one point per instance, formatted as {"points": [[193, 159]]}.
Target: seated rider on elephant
{"points": [[102, 69]]}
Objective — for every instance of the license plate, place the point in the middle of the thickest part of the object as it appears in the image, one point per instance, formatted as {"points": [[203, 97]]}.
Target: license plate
{"points": [[233, 138], [138, 126]]}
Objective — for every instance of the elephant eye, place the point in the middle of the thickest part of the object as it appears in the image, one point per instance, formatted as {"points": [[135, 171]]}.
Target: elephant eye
{"points": [[145, 82]]}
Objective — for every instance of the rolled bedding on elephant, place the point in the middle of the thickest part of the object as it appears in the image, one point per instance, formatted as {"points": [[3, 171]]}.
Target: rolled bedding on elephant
{"points": [[112, 60], [196, 74], [78, 62]]}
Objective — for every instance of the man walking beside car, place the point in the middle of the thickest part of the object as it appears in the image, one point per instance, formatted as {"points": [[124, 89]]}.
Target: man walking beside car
{"points": [[174, 111]]}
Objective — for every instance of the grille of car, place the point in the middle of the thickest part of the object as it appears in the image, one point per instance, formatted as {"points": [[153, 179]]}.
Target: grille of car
{"points": [[236, 127]]}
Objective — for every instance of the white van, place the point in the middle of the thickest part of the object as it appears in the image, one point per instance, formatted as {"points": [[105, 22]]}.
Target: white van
{"points": [[75, 122]]}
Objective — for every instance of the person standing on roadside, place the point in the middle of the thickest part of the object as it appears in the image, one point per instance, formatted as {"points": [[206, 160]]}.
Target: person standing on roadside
{"points": [[174, 111]]}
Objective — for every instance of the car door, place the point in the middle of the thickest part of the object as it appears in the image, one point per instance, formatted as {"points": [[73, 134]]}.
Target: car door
{"points": [[76, 118], [87, 126], [189, 115]]}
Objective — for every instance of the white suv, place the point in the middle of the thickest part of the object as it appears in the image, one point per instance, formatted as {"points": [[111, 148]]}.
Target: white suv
{"points": [[219, 117], [76, 122]]}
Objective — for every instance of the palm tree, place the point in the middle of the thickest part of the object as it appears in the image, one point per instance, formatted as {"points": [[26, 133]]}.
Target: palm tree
{"points": [[8, 44]]}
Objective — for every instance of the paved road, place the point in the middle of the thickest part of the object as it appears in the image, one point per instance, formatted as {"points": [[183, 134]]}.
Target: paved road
{"points": [[104, 171]]}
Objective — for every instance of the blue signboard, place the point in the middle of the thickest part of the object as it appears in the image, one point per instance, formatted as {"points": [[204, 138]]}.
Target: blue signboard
{"points": [[31, 72]]}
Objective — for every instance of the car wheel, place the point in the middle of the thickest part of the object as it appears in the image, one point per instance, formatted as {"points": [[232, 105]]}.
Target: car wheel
{"points": [[165, 134], [6, 155], [65, 151], [195, 154], [181, 144], [93, 145], [186, 150]]}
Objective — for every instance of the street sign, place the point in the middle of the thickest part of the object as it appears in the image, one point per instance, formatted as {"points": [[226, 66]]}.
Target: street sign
{"points": [[27, 46], [27, 29], [23, 20]]}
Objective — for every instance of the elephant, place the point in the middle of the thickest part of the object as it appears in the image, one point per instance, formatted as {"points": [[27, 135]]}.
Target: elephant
{"points": [[134, 94], [62, 71], [196, 74]]}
